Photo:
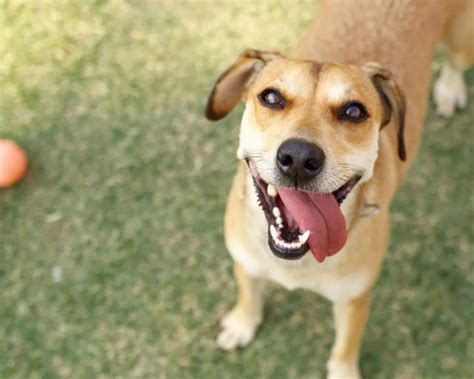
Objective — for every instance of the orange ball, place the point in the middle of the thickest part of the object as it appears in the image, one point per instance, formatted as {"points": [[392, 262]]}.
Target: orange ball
{"points": [[13, 163]]}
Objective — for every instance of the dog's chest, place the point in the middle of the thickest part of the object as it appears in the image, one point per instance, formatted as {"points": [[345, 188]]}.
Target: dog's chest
{"points": [[325, 278], [308, 274]]}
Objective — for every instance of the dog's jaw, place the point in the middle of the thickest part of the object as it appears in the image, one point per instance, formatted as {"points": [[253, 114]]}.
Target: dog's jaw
{"points": [[298, 221]]}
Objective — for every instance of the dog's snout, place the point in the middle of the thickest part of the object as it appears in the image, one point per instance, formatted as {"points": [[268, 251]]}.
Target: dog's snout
{"points": [[299, 160]]}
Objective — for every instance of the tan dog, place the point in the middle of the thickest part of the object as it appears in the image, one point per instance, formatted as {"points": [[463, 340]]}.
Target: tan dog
{"points": [[323, 144]]}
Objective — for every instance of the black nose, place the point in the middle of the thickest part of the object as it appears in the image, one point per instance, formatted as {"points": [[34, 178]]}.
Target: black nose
{"points": [[299, 160]]}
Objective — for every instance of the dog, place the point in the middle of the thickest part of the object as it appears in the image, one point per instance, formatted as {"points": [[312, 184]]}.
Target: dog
{"points": [[326, 138]]}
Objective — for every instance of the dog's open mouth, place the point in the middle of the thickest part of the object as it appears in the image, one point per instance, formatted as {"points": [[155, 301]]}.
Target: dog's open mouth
{"points": [[299, 221]]}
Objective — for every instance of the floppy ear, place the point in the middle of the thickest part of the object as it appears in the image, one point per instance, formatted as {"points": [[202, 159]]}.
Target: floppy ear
{"points": [[231, 85], [393, 101]]}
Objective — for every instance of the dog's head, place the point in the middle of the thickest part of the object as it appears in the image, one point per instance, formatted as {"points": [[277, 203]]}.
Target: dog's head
{"points": [[309, 134]]}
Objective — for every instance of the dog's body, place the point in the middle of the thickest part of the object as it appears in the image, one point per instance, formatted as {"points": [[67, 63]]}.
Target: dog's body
{"points": [[366, 147]]}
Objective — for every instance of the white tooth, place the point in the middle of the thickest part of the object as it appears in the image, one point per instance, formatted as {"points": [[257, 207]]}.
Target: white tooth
{"points": [[271, 191], [276, 212], [274, 233], [279, 220], [304, 237]]}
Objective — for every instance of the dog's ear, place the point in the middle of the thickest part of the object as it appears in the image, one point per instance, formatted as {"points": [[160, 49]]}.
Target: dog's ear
{"points": [[231, 85], [393, 101]]}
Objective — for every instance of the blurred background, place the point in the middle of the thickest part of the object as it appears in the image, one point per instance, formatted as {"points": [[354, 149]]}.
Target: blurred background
{"points": [[112, 261]]}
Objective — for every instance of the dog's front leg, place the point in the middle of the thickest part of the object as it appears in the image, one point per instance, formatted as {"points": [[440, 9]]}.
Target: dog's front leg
{"points": [[240, 324], [350, 318]]}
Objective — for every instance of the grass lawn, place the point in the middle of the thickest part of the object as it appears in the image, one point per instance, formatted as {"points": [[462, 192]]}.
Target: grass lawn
{"points": [[126, 192]]}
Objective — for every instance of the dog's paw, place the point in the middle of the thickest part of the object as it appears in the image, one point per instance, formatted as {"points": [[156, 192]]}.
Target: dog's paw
{"points": [[449, 91], [238, 329], [342, 370]]}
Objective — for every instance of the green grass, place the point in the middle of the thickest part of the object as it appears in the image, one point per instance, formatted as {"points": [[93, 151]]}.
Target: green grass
{"points": [[126, 193]]}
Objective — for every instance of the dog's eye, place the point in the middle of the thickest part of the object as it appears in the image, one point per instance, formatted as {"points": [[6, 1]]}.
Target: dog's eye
{"points": [[272, 98], [354, 112]]}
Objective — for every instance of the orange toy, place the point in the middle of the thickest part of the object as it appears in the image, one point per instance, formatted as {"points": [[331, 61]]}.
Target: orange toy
{"points": [[13, 163]]}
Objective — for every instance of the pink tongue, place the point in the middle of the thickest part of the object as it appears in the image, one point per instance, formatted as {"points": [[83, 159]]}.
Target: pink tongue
{"points": [[321, 215]]}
